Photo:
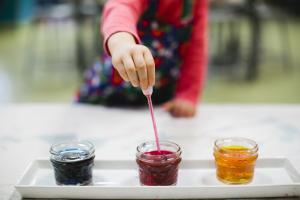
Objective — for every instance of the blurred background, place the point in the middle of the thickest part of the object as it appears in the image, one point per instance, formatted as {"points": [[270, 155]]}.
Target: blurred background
{"points": [[254, 45]]}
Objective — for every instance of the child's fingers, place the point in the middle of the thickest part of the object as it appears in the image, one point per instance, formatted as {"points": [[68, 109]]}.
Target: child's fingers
{"points": [[141, 69], [175, 112], [150, 66], [118, 65], [123, 73], [167, 106], [130, 70], [180, 110], [183, 109]]}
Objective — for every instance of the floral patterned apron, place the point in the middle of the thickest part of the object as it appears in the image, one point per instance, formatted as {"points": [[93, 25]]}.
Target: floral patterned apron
{"points": [[167, 42]]}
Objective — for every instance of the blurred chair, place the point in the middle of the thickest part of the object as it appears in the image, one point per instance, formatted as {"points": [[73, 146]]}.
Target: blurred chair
{"points": [[54, 17], [230, 55], [226, 23], [87, 10], [44, 39], [282, 12]]}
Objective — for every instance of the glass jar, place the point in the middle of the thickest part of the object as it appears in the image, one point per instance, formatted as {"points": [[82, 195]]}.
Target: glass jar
{"points": [[158, 167], [235, 159], [73, 162]]}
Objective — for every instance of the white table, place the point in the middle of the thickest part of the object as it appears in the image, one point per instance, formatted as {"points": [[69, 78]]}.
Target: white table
{"points": [[28, 130]]}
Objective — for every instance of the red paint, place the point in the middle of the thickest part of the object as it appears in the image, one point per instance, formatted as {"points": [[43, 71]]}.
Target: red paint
{"points": [[159, 153], [158, 168]]}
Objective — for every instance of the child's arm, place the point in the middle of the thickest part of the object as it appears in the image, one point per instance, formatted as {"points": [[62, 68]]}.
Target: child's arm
{"points": [[192, 71], [134, 62]]}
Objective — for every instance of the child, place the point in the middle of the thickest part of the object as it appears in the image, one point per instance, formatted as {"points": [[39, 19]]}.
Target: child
{"points": [[160, 43]]}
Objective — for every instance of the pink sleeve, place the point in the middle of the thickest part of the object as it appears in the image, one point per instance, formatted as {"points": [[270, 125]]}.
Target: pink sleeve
{"points": [[121, 15], [193, 69]]}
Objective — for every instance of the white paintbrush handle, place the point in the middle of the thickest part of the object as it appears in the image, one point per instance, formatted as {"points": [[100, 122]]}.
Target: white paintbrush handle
{"points": [[148, 91]]}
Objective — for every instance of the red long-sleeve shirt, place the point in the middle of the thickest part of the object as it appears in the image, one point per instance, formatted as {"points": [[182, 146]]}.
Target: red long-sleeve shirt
{"points": [[123, 15]]}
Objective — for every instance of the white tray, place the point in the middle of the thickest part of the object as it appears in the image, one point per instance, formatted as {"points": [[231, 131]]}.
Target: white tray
{"points": [[118, 179]]}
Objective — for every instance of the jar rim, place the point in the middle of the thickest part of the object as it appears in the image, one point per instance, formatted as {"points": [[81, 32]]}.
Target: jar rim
{"points": [[253, 144], [152, 142], [57, 148]]}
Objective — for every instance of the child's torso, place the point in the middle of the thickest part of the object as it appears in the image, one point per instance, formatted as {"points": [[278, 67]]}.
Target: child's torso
{"points": [[172, 11]]}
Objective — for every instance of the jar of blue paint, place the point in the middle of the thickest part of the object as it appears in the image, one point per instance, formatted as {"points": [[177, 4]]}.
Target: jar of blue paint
{"points": [[73, 162]]}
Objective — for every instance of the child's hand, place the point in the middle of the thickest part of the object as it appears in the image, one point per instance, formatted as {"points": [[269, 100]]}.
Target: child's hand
{"points": [[134, 62], [180, 108]]}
